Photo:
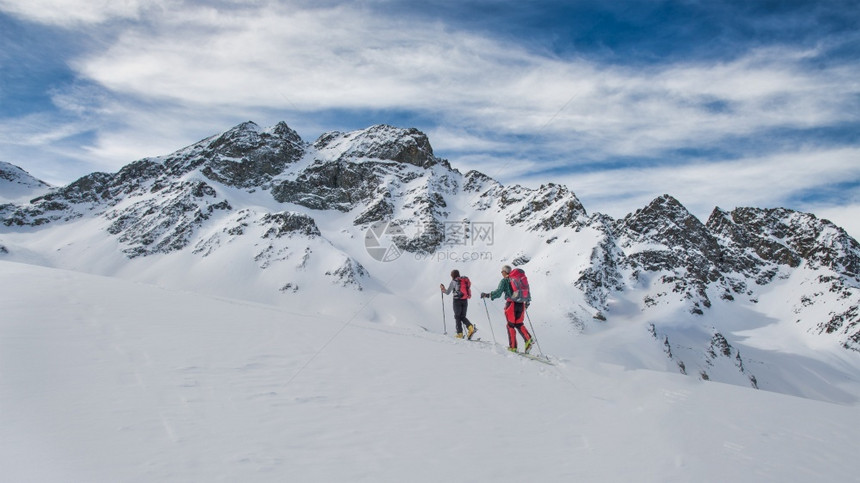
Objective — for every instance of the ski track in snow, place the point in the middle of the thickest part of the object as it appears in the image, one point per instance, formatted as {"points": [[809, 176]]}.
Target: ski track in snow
{"points": [[107, 380]]}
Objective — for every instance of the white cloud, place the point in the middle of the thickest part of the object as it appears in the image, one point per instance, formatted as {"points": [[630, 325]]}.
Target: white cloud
{"points": [[69, 13], [319, 59], [345, 58], [447, 138], [36, 129], [761, 182]]}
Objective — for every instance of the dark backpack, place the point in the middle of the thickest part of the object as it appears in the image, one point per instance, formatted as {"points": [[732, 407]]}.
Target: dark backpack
{"points": [[520, 286], [463, 289]]}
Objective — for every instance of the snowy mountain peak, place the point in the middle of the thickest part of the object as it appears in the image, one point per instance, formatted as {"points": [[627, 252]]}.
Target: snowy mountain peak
{"points": [[666, 222], [248, 136], [244, 156], [662, 210], [381, 142], [283, 131], [789, 237], [546, 208], [14, 174], [17, 185], [478, 182]]}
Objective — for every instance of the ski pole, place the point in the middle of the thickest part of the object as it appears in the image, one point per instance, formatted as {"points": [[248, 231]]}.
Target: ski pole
{"points": [[534, 335], [490, 322], [444, 324]]}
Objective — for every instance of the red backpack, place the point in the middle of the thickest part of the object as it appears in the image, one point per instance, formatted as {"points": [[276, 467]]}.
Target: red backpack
{"points": [[464, 288], [520, 286]]}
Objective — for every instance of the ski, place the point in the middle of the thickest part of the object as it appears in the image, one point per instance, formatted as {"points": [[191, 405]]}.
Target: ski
{"points": [[543, 359], [475, 339]]}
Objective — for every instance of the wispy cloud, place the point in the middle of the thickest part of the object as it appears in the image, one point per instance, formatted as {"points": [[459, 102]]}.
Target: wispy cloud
{"points": [[36, 130], [346, 58], [69, 13], [762, 181]]}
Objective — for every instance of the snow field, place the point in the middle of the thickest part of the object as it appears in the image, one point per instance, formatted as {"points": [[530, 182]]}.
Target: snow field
{"points": [[103, 379]]}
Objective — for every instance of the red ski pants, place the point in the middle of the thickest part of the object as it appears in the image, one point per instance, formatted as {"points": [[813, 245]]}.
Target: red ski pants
{"points": [[515, 313]]}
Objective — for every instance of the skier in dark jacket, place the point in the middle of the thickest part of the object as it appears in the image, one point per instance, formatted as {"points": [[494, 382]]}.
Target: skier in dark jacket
{"points": [[461, 305], [515, 312]]}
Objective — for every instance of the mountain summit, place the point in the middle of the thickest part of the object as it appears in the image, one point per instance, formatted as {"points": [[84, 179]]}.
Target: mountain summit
{"points": [[18, 186]]}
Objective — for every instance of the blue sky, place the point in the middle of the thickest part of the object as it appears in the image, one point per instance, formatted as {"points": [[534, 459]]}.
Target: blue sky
{"points": [[719, 103]]}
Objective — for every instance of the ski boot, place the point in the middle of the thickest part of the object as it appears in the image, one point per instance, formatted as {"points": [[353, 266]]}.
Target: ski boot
{"points": [[529, 344]]}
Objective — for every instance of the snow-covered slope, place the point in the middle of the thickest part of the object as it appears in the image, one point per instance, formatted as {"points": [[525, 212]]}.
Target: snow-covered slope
{"points": [[105, 380], [373, 219]]}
